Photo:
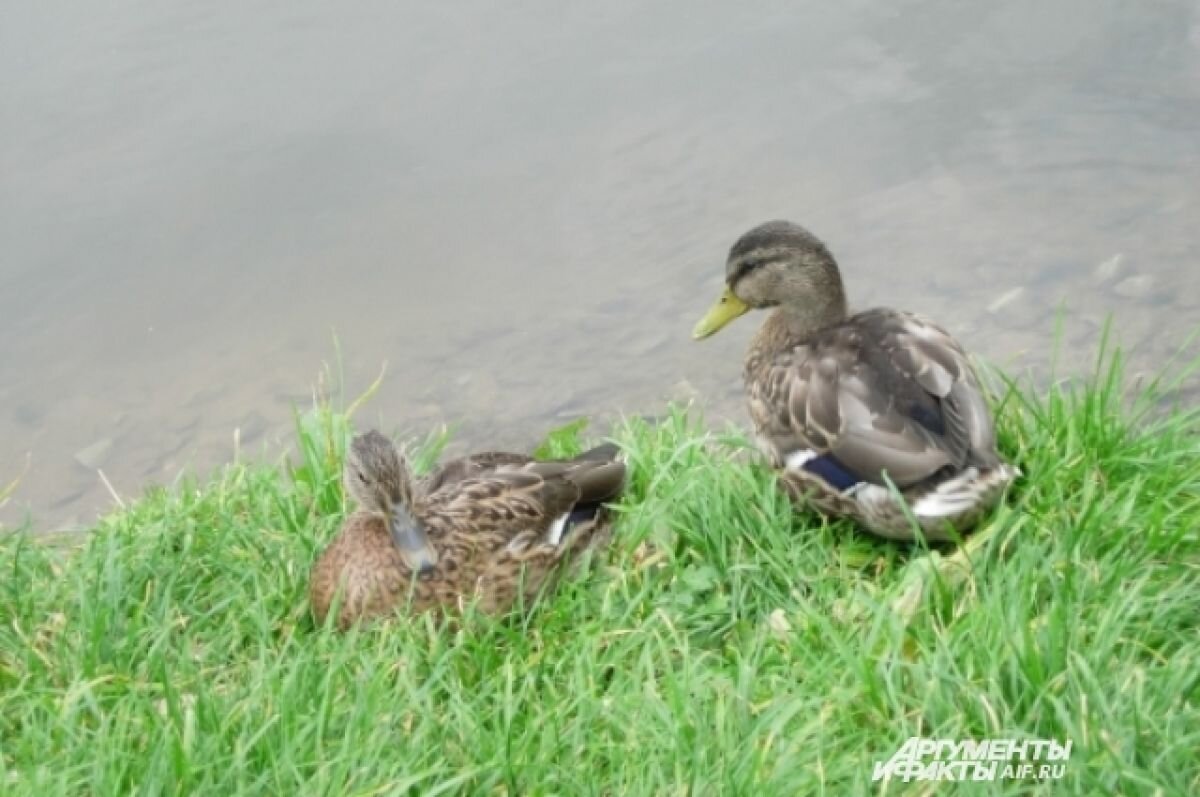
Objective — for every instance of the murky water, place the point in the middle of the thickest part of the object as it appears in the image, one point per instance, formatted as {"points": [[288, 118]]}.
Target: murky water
{"points": [[524, 207]]}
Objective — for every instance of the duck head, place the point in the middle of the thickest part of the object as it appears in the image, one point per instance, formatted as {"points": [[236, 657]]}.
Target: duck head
{"points": [[378, 477], [778, 264]]}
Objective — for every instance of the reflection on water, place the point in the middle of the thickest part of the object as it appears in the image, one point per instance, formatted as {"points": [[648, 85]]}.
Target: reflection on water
{"points": [[523, 208]]}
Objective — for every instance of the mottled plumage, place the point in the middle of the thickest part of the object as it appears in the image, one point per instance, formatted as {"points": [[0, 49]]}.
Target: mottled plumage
{"points": [[490, 529], [844, 404]]}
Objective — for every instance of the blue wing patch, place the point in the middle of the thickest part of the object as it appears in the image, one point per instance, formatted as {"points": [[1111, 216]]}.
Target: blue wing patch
{"points": [[580, 514], [832, 472]]}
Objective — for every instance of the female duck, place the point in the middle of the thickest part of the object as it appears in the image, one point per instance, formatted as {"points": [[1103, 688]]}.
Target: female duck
{"points": [[876, 416], [491, 529]]}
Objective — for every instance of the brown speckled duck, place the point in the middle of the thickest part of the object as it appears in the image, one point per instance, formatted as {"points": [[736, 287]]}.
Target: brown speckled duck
{"points": [[490, 529], [844, 404]]}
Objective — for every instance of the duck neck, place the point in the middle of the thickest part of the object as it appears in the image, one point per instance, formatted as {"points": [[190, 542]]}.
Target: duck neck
{"points": [[789, 326]]}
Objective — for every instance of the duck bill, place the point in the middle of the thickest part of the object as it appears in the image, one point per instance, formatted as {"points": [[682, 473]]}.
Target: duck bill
{"points": [[727, 308], [412, 543]]}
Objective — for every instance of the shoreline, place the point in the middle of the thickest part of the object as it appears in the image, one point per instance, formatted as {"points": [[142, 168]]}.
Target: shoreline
{"points": [[722, 639]]}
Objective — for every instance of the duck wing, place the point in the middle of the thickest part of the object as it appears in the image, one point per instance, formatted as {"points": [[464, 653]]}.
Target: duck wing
{"points": [[598, 472], [509, 501], [514, 504], [468, 467], [884, 393]]}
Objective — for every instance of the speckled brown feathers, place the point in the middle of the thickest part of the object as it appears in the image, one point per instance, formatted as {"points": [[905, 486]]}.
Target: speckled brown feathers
{"points": [[501, 525]]}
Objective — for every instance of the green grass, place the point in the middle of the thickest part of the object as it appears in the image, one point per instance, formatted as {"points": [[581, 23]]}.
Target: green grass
{"points": [[724, 645]]}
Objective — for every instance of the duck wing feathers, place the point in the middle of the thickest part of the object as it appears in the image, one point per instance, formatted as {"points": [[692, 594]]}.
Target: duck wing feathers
{"points": [[472, 466], [884, 392], [506, 495], [598, 472]]}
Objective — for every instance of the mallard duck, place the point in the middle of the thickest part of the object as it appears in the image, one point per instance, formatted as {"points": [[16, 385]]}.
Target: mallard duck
{"points": [[877, 416], [491, 528]]}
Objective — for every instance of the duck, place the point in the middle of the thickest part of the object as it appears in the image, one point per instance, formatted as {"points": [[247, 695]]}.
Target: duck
{"points": [[877, 415], [491, 529]]}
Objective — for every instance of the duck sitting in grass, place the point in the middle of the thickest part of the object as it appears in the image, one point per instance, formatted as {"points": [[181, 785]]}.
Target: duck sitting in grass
{"points": [[876, 416], [490, 529]]}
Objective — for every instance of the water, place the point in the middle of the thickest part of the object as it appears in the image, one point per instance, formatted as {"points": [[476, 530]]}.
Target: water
{"points": [[523, 207]]}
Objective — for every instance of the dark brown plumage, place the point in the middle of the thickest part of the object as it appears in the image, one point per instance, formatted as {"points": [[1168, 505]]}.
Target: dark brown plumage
{"points": [[490, 529]]}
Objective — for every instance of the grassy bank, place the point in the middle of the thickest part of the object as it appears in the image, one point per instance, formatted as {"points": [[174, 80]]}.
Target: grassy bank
{"points": [[723, 645]]}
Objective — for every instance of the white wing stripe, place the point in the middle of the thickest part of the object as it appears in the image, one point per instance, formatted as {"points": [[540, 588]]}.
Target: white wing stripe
{"points": [[554, 535]]}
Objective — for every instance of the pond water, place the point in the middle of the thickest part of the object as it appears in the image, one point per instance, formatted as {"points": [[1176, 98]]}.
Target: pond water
{"points": [[524, 207]]}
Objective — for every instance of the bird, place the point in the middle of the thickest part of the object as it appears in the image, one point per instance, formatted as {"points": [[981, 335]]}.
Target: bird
{"points": [[491, 529], [877, 415]]}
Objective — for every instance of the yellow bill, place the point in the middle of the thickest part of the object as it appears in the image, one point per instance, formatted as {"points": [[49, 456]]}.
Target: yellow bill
{"points": [[727, 308]]}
